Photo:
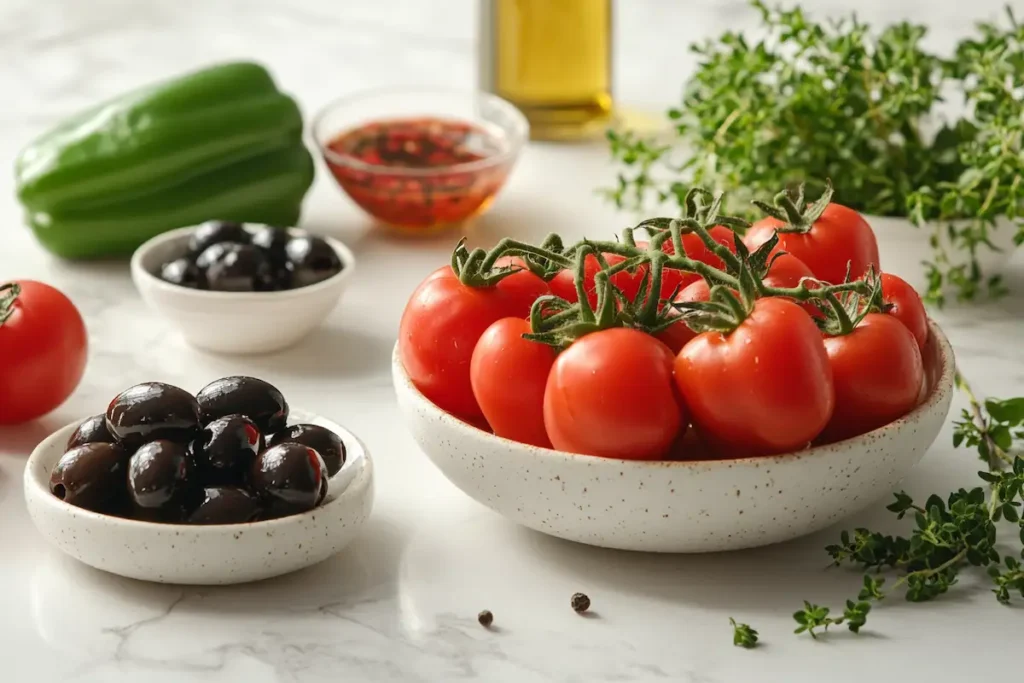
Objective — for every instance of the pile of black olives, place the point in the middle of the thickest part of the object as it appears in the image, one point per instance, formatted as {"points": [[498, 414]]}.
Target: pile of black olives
{"points": [[224, 456], [232, 257]]}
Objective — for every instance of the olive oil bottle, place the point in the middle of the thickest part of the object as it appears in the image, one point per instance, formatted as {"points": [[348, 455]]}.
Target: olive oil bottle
{"points": [[552, 59]]}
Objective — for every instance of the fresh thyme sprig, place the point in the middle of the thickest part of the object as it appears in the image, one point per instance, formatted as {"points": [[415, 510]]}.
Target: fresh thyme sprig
{"points": [[835, 99], [743, 635], [949, 535]]}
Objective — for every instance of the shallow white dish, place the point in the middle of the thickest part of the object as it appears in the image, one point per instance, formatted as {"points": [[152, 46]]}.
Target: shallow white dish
{"points": [[203, 555], [679, 506], [235, 322]]}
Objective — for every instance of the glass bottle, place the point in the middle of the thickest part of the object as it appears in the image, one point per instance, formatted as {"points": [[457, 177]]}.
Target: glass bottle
{"points": [[552, 59]]}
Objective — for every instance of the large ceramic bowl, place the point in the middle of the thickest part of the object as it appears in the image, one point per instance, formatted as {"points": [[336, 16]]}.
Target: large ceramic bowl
{"points": [[680, 506], [203, 555]]}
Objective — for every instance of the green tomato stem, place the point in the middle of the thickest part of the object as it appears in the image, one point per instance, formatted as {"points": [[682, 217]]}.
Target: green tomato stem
{"points": [[9, 293], [510, 247], [586, 312]]}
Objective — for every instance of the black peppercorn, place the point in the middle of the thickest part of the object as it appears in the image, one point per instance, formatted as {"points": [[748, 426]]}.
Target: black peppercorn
{"points": [[485, 618], [580, 602]]}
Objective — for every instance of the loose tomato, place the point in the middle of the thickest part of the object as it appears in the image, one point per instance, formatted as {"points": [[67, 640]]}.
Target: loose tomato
{"points": [[564, 283], [764, 388], [441, 324], [610, 394], [43, 347], [509, 375], [877, 373], [839, 237], [907, 307]]}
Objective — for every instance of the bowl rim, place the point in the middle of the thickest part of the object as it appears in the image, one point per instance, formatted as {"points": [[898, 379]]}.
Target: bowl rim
{"points": [[139, 271], [352, 468], [520, 132], [934, 398]]}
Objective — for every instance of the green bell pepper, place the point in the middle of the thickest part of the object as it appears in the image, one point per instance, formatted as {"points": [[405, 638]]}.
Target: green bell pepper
{"points": [[219, 143], [266, 189]]}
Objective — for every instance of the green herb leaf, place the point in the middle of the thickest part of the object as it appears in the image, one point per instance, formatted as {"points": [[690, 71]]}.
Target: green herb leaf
{"points": [[743, 635]]}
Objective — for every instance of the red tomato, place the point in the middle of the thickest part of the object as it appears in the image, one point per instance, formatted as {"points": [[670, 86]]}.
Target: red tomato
{"points": [[564, 283], [441, 324], [509, 375], [43, 347], [839, 237], [678, 335], [786, 271], [610, 394], [877, 372], [907, 307], [764, 388], [693, 245]]}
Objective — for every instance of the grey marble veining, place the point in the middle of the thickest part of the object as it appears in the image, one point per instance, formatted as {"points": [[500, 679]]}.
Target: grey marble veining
{"points": [[401, 603]]}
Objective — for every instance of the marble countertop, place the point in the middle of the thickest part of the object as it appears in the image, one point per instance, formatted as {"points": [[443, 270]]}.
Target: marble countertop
{"points": [[400, 604]]}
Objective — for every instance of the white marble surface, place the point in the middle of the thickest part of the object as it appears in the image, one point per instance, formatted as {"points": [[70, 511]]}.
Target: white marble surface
{"points": [[401, 603]]}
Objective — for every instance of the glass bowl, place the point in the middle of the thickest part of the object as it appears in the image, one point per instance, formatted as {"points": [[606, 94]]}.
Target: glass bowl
{"points": [[439, 193]]}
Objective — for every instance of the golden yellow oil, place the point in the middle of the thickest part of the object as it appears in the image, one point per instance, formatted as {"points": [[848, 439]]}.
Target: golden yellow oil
{"points": [[552, 59]]}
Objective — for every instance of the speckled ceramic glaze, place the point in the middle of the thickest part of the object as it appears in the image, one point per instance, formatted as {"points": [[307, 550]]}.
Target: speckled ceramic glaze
{"points": [[678, 506], [204, 555]]}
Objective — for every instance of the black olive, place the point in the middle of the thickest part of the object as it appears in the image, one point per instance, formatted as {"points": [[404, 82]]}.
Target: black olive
{"points": [[225, 449], [259, 401], [289, 478], [225, 505], [214, 252], [91, 476], [237, 268], [150, 411], [215, 232], [92, 430], [272, 241], [160, 478], [325, 442], [311, 260], [183, 272]]}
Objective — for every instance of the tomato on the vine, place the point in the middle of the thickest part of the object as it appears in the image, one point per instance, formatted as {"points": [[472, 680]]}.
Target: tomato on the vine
{"points": [[675, 280], [785, 272], [629, 282], [611, 394], [907, 307], [877, 373], [43, 347], [509, 375], [766, 387], [563, 284], [441, 324], [840, 236]]}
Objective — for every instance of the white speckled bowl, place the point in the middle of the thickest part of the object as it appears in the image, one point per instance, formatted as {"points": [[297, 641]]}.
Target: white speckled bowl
{"points": [[677, 506], [203, 555]]}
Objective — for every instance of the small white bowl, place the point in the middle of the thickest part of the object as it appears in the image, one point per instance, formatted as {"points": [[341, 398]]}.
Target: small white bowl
{"points": [[680, 506], [235, 322], [203, 554]]}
